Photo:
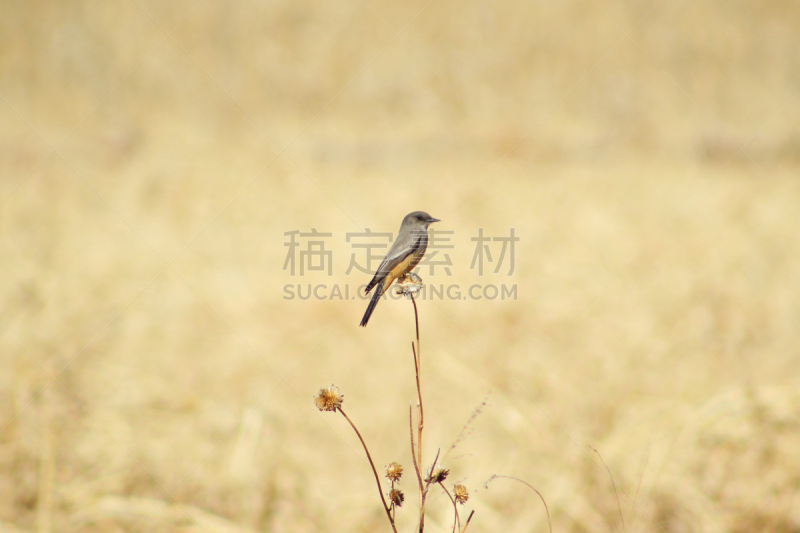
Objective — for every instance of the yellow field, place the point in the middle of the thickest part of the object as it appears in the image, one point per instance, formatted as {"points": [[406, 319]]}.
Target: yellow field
{"points": [[154, 377]]}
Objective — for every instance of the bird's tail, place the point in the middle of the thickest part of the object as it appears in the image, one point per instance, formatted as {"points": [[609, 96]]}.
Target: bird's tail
{"points": [[376, 296]]}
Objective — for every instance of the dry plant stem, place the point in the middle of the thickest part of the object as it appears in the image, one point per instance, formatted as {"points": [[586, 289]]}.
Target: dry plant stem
{"points": [[424, 494], [549, 524], [420, 415], [413, 453], [435, 459], [393, 505], [425, 490], [463, 529], [614, 485], [377, 479], [457, 519], [418, 370], [416, 316], [420, 420]]}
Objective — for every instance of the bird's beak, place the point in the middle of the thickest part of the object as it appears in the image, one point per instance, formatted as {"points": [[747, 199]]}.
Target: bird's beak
{"points": [[432, 220]]}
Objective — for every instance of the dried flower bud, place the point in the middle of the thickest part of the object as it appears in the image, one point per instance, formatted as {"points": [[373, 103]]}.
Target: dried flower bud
{"points": [[394, 471], [397, 497], [329, 399], [409, 283], [461, 494], [437, 474]]}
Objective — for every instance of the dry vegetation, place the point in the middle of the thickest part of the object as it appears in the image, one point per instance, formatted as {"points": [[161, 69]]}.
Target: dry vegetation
{"points": [[153, 154]]}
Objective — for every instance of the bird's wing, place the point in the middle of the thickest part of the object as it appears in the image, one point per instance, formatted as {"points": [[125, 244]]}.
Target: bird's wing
{"points": [[401, 249]]}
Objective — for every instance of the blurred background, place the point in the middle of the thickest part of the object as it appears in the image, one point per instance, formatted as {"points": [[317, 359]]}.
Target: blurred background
{"points": [[156, 377]]}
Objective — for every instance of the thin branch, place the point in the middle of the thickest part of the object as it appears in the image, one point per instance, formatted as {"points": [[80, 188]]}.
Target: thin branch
{"points": [[549, 524], [418, 371], [469, 518], [433, 466], [416, 315], [413, 456], [457, 519], [614, 485], [421, 414], [377, 479], [417, 352], [392, 504], [424, 494]]}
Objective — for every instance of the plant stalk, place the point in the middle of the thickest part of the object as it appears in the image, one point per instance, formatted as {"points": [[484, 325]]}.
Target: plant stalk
{"points": [[377, 479]]}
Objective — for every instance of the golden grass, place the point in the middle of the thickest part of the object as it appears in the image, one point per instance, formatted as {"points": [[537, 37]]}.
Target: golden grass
{"points": [[657, 266]]}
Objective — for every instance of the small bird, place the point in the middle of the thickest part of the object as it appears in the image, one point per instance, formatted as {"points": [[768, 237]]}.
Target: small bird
{"points": [[403, 256]]}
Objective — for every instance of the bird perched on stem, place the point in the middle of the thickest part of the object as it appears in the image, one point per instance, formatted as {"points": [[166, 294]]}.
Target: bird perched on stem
{"points": [[403, 256]]}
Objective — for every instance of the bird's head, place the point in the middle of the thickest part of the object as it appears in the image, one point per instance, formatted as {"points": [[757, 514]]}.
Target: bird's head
{"points": [[420, 218]]}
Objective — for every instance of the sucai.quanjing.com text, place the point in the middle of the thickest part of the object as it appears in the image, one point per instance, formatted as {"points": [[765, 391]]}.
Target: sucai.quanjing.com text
{"points": [[454, 291]]}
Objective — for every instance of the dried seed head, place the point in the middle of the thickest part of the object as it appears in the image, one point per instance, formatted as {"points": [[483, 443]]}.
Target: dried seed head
{"points": [[409, 283], [437, 474], [397, 497], [329, 399], [394, 471], [461, 494]]}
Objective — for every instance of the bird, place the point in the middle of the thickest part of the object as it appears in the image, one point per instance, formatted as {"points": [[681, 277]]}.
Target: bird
{"points": [[403, 256]]}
